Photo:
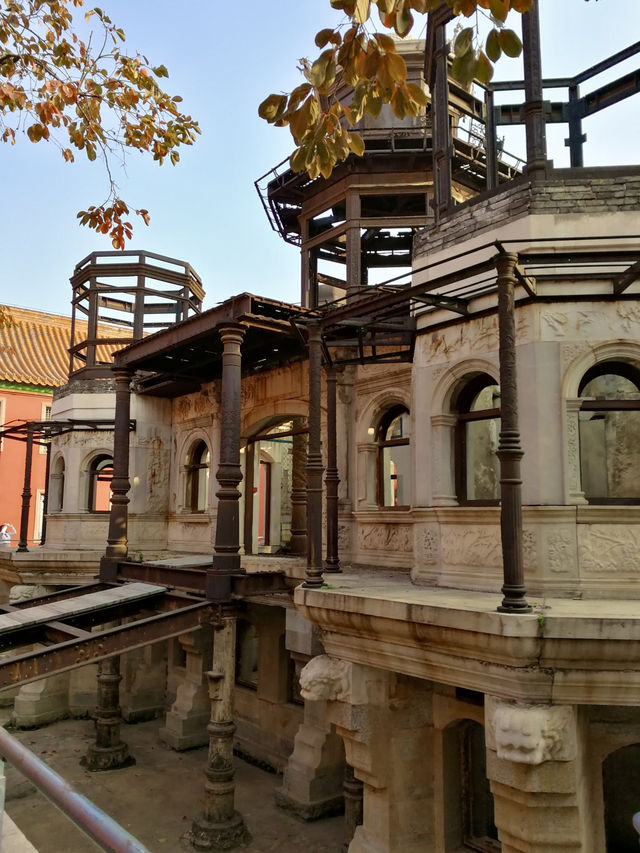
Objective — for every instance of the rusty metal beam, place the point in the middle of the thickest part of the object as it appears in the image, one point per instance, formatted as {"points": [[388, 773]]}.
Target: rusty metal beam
{"points": [[38, 663]]}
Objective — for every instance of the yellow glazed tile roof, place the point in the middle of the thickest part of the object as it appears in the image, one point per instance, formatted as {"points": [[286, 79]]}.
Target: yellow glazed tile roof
{"points": [[34, 346]]}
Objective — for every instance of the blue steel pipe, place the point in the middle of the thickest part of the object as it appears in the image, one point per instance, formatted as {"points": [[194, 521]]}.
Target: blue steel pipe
{"points": [[100, 828]]}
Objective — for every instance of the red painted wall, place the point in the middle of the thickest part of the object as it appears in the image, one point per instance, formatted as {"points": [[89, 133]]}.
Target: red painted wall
{"points": [[20, 406]]}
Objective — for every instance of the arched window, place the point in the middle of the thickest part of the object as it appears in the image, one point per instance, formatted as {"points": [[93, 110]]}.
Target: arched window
{"points": [[621, 790], [197, 468], [100, 474], [469, 822], [55, 500], [477, 465], [609, 433], [394, 458]]}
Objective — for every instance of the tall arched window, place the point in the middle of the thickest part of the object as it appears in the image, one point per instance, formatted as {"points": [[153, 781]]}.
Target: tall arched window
{"points": [[477, 465], [56, 486], [100, 475], [197, 469], [609, 433], [394, 458]]}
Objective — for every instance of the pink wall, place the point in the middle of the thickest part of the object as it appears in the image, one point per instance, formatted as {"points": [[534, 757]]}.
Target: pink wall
{"points": [[20, 406]]}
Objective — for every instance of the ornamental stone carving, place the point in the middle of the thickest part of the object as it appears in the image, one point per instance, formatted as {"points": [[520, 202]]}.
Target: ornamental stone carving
{"points": [[530, 734], [325, 679], [559, 552], [609, 549], [471, 546], [386, 537], [557, 322]]}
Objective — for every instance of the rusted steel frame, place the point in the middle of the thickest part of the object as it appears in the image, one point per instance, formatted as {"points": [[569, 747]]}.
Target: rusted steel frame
{"points": [[35, 664], [268, 436], [97, 825], [226, 556], [509, 449], [314, 461], [63, 594], [332, 479], [533, 107], [442, 147], [120, 485], [26, 493]]}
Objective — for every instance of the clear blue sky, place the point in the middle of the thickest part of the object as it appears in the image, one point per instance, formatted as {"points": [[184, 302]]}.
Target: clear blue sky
{"points": [[223, 59]]}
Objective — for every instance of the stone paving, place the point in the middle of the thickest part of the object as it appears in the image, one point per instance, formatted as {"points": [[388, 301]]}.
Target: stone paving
{"points": [[155, 799]]}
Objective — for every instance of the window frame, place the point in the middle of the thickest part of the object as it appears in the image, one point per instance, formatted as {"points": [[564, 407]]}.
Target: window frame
{"points": [[94, 478], [192, 481], [605, 368], [383, 425], [468, 393]]}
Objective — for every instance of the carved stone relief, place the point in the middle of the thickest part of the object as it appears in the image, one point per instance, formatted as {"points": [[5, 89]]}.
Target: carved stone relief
{"points": [[386, 537], [471, 546], [325, 679], [557, 323], [605, 549], [530, 734], [559, 552], [429, 548]]}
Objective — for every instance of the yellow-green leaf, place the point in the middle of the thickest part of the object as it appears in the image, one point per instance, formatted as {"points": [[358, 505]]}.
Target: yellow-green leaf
{"points": [[484, 69], [510, 43], [356, 144], [493, 46], [463, 42]]}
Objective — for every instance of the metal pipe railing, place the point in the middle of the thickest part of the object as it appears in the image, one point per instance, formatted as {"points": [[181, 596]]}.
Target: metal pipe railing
{"points": [[100, 828]]}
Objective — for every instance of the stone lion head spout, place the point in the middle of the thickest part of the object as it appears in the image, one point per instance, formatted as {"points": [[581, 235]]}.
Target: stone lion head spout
{"points": [[324, 679]]}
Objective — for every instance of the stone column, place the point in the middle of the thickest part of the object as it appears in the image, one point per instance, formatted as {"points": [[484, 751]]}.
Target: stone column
{"points": [[533, 104], [221, 827], [353, 813], [26, 492], [118, 515], [575, 493], [185, 725], [108, 752], [314, 461], [45, 502], [332, 480], [298, 488], [509, 449], [385, 721], [226, 558], [534, 766]]}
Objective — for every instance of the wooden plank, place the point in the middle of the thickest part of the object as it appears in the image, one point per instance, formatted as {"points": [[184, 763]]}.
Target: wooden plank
{"points": [[58, 611]]}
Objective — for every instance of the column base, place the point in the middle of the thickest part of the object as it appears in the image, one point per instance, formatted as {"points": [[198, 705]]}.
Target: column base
{"points": [[309, 811], [228, 835], [107, 757]]}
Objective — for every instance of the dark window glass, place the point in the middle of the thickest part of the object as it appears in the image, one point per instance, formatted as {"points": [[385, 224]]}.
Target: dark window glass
{"points": [[394, 458], [197, 497], [477, 464]]}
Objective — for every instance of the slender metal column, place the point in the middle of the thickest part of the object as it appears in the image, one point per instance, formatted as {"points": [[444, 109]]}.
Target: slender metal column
{"points": [[314, 461], [576, 137], [26, 492], [441, 130], [352, 789], [533, 107], [491, 140], [45, 501], [116, 550], [108, 752], [221, 827], [332, 480], [353, 245], [226, 557], [509, 449], [299, 489]]}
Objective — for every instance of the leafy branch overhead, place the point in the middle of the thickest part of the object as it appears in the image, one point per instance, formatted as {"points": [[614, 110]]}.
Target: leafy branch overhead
{"points": [[370, 65], [84, 94]]}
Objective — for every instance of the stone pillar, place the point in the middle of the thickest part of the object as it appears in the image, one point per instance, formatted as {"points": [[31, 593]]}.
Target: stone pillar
{"points": [[534, 766], [509, 449], [312, 781], [533, 107], [26, 492], [108, 752], [226, 557], [575, 493], [298, 488], [220, 827], [353, 799], [142, 694], [41, 702], [385, 721], [118, 515], [314, 461], [45, 501], [332, 479], [186, 722]]}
